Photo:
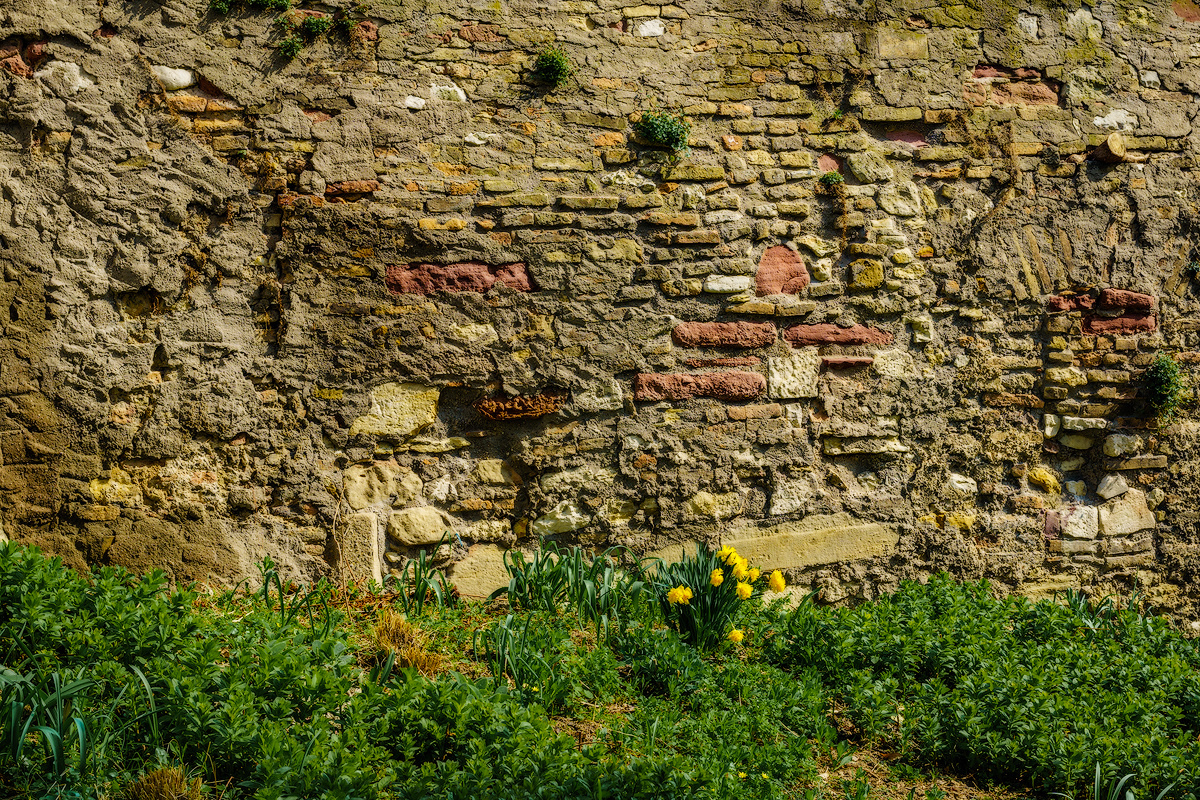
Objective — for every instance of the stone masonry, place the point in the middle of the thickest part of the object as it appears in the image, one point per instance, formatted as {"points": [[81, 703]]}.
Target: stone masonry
{"points": [[888, 315]]}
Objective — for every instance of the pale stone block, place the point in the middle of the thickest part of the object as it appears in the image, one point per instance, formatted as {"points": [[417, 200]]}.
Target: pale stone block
{"points": [[894, 43], [603, 395], [962, 485], [366, 485], [565, 517], [407, 486], [495, 472], [727, 284], [571, 480], [894, 364], [792, 496], [1051, 423], [1079, 522], [1084, 423], [1126, 514], [1076, 441], [715, 506], [360, 558], [1077, 488], [902, 199], [450, 92], [1112, 486], [794, 375], [818, 539], [480, 572], [1119, 444], [413, 527], [415, 103], [836, 446], [398, 409], [490, 530]]}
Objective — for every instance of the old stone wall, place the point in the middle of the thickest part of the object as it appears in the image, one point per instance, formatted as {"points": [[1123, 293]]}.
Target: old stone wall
{"points": [[330, 307]]}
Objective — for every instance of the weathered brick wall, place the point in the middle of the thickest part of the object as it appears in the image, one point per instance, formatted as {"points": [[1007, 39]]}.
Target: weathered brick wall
{"points": [[330, 308]]}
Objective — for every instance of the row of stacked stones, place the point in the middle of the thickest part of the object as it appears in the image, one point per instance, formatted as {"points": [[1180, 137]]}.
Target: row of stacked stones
{"points": [[887, 316]]}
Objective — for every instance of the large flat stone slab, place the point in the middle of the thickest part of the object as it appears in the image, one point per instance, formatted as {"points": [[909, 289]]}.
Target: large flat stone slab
{"points": [[812, 541]]}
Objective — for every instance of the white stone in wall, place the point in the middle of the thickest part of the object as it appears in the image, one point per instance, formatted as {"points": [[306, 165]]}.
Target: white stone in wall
{"points": [[922, 327], [1117, 120], [895, 364], [962, 485], [565, 517], [650, 27], [1126, 514], [1112, 486], [1084, 423], [65, 77], [727, 284], [1077, 488], [1027, 24], [415, 103], [1075, 441], [173, 79], [1149, 78], [1079, 522], [794, 375], [480, 572], [1051, 423], [449, 92], [1120, 444]]}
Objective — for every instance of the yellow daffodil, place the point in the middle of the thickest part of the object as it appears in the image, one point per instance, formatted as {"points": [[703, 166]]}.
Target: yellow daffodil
{"points": [[730, 557], [680, 595], [736, 637], [741, 568], [717, 577], [724, 553], [776, 581], [754, 573], [744, 590]]}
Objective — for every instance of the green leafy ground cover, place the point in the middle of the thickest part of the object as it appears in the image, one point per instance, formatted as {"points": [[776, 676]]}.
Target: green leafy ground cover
{"points": [[114, 685]]}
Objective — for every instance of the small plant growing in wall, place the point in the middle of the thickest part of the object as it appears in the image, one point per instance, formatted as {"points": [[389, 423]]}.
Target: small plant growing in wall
{"points": [[553, 66], [1165, 388], [665, 130]]}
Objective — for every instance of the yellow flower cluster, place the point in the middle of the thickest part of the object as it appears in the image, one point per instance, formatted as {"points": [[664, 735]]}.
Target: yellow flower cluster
{"points": [[680, 594], [736, 636], [717, 577]]}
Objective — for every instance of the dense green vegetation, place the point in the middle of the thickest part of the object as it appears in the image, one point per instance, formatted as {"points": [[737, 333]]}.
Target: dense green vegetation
{"points": [[115, 686]]}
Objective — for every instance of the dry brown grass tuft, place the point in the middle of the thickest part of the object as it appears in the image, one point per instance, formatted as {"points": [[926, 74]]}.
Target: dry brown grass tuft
{"points": [[167, 783], [395, 634]]}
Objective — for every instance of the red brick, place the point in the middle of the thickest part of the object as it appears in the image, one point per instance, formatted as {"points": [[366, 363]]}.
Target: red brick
{"points": [[728, 386], [724, 334], [828, 333], [1122, 298], [1133, 322], [1023, 94], [467, 276], [1063, 302], [781, 271]]}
